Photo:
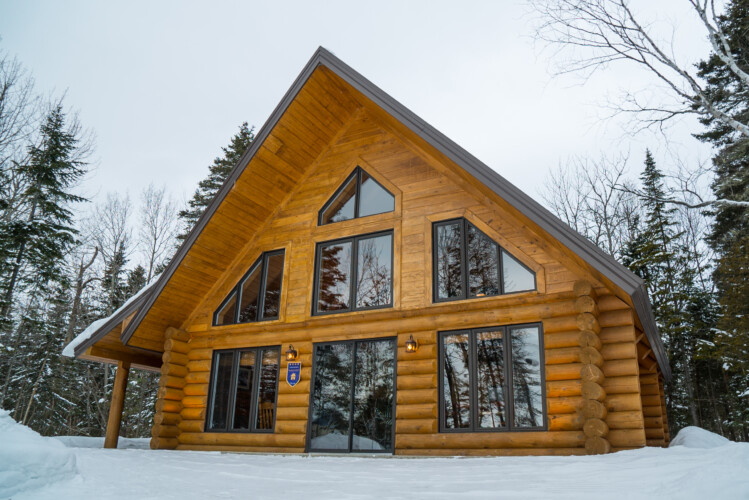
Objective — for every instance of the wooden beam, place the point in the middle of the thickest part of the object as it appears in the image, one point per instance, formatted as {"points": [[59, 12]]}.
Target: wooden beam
{"points": [[138, 359], [115, 407]]}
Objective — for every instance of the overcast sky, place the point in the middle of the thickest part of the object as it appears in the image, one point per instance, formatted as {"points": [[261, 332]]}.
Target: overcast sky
{"points": [[164, 85]]}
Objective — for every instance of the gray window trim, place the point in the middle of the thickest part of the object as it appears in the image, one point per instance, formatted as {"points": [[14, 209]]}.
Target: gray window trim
{"points": [[308, 439], [463, 222], [233, 389], [354, 240], [261, 261], [508, 387]]}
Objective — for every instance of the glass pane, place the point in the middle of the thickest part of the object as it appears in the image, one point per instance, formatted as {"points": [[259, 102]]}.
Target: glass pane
{"points": [[374, 272], [526, 377], [483, 264], [266, 402], [456, 382], [243, 399], [273, 278], [334, 277], [373, 396], [449, 278], [374, 199], [490, 380], [342, 206], [250, 296], [225, 316], [331, 397], [517, 277], [221, 389]]}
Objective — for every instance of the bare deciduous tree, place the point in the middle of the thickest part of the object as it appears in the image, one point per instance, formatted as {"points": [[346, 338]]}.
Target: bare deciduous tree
{"points": [[158, 227], [600, 32], [588, 196]]}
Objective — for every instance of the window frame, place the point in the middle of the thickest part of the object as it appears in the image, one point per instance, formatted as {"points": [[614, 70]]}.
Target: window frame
{"points": [[310, 404], [357, 196], [463, 222], [354, 240], [236, 292], [507, 386], [236, 353]]}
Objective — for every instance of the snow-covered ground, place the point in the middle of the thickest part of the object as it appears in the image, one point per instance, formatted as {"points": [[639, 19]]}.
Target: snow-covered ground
{"points": [[703, 467]]}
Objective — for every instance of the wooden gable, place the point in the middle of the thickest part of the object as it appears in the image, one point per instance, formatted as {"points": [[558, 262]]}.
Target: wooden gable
{"points": [[329, 122]]}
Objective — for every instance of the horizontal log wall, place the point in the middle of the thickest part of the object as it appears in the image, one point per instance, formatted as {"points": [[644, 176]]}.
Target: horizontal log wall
{"points": [[592, 379], [620, 366], [167, 421]]}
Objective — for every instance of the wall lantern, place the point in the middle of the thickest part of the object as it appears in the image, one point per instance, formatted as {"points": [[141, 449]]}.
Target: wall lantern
{"points": [[291, 353], [411, 345]]}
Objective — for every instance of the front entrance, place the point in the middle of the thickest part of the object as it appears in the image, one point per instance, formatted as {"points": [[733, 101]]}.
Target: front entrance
{"points": [[352, 406]]}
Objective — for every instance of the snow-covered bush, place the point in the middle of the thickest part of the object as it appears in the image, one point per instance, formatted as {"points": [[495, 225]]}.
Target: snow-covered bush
{"points": [[27, 460]]}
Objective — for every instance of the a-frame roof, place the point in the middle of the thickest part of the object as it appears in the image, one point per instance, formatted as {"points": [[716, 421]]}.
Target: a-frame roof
{"points": [[351, 82]]}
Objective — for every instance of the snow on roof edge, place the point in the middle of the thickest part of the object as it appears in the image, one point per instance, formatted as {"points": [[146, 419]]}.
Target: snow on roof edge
{"points": [[90, 330]]}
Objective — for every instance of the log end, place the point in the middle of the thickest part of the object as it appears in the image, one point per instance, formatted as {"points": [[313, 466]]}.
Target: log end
{"points": [[597, 446]]}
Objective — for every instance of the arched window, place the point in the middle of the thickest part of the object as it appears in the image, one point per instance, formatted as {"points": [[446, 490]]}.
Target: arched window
{"points": [[359, 196]]}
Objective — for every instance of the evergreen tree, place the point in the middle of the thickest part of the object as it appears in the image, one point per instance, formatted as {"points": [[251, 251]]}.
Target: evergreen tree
{"points": [[656, 255], [39, 240], [113, 283], [218, 171], [730, 232]]}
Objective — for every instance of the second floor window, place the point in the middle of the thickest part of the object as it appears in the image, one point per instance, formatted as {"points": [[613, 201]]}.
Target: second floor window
{"points": [[359, 196], [257, 296], [354, 273], [468, 264]]}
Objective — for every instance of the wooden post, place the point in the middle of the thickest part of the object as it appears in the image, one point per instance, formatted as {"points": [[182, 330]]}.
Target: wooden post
{"points": [[115, 407]]}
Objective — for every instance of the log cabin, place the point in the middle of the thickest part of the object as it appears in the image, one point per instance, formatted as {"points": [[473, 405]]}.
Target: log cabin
{"points": [[362, 284]]}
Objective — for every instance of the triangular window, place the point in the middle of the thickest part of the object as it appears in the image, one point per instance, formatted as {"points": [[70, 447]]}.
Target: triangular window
{"points": [[259, 293], [360, 195], [469, 264]]}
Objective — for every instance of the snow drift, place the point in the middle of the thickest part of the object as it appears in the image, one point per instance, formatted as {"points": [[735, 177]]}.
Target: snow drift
{"points": [[697, 437], [28, 460]]}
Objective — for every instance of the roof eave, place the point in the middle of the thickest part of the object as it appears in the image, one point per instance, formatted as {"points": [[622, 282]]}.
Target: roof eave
{"points": [[578, 244]]}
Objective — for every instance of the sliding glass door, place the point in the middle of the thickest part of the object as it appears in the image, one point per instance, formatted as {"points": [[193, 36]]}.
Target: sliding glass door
{"points": [[352, 407]]}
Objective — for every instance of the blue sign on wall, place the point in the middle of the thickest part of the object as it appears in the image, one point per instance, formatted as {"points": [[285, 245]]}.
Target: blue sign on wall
{"points": [[293, 373]]}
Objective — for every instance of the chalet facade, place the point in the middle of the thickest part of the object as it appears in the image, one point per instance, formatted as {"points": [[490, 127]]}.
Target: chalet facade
{"points": [[362, 284]]}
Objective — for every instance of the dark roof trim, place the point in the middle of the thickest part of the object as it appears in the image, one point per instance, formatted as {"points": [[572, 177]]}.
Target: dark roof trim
{"points": [[110, 324], [594, 256]]}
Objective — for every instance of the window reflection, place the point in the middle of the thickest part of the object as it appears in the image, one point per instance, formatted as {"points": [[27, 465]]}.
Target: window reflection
{"points": [[374, 271], [467, 264], [456, 382], [372, 424], [373, 198], [273, 278], [331, 397], [259, 293], [343, 205], [517, 277], [449, 271], [222, 389], [267, 390], [225, 315], [490, 379], [359, 196], [334, 276], [243, 398], [526, 377], [250, 296], [483, 264]]}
